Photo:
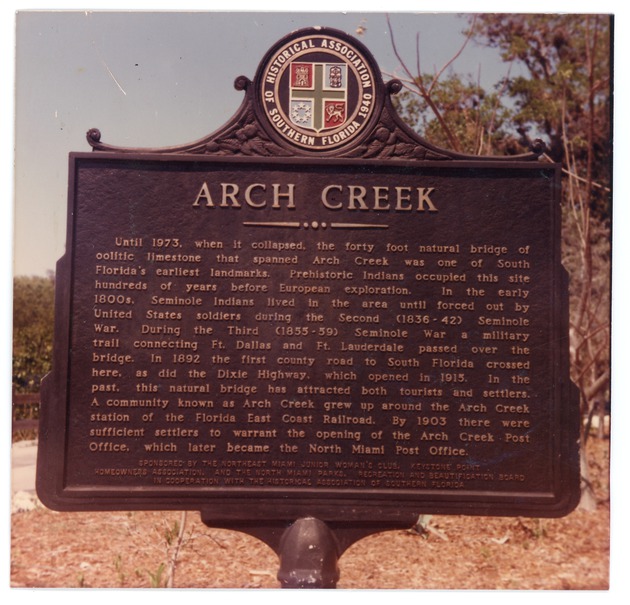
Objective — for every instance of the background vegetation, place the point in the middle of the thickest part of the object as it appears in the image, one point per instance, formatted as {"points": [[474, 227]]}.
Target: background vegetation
{"points": [[33, 322]]}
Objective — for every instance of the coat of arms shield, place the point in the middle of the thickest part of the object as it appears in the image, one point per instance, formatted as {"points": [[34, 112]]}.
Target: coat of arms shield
{"points": [[318, 95]]}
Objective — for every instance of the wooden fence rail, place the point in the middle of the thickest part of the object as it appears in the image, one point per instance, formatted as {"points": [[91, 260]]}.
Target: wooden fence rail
{"points": [[25, 417]]}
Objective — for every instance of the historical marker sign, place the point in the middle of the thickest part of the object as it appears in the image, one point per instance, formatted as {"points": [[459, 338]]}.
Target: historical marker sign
{"points": [[311, 312]]}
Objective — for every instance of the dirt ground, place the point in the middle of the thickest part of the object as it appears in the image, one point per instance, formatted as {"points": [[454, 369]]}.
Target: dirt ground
{"points": [[133, 549]]}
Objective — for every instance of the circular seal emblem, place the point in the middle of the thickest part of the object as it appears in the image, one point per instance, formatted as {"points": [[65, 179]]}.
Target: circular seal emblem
{"points": [[318, 89]]}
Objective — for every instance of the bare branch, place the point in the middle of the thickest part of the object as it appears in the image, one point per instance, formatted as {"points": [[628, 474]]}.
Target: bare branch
{"points": [[579, 178], [423, 92], [454, 57], [172, 563], [598, 385], [591, 362], [395, 49]]}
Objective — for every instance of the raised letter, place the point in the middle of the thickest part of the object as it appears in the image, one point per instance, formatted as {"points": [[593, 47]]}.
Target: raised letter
{"points": [[423, 197], [230, 191], [204, 194], [403, 199], [277, 195], [248, 197], [381, 194], [357, 194], [325, 200]]}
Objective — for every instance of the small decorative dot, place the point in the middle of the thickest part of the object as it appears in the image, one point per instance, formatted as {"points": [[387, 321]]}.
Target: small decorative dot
{"points": [[315, 224]]}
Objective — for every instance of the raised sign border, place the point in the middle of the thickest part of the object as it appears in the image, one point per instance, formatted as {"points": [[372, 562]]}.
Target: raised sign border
{"points": [[272, 503]]}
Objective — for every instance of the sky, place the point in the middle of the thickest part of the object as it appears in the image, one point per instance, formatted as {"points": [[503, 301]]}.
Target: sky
{"points": [[164, 79], [160, 79], [152, 79]]}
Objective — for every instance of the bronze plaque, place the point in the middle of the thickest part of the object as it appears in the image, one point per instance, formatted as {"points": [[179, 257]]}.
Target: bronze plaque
{"points": [[344, 338]]}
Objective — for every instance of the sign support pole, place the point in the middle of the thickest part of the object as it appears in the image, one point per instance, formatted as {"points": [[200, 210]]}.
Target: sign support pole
{"points": [[309, 548], [308, 553]]}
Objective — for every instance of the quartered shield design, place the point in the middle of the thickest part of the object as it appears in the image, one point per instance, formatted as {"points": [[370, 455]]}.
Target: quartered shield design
{"points": [[318, 95]]}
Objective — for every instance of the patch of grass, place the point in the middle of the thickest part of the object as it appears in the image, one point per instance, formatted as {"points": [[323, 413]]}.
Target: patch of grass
{"points": [[157, 579], [118, 566]]}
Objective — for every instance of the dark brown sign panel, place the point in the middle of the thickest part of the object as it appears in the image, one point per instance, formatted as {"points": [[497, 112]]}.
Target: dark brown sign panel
{"points": [[350, 339], [312, 331]]}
